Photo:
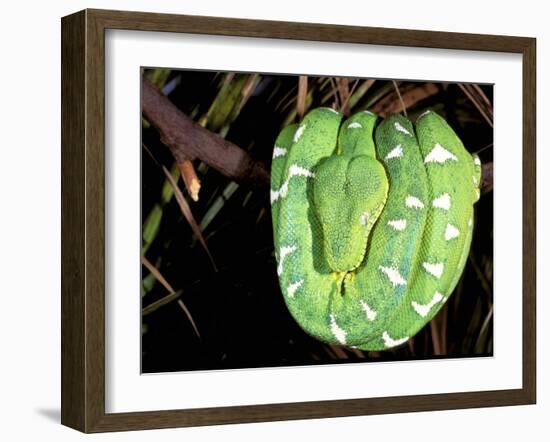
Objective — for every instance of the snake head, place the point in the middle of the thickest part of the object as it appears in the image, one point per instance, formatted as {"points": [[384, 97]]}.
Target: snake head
{"points": [[348, 196]]}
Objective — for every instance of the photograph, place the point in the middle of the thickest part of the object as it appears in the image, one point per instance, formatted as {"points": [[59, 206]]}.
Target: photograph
{"points": [[268, 220], [299, 220]]}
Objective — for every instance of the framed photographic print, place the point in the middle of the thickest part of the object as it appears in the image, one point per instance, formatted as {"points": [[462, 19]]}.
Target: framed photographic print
{"points": [[266, 220]]}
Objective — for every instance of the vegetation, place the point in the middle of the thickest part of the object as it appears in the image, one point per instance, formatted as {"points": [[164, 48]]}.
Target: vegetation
{"points": [[210, 292]]}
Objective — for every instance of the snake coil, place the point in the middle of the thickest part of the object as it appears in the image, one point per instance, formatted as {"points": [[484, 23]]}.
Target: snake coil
{"points": [[372, 223]]}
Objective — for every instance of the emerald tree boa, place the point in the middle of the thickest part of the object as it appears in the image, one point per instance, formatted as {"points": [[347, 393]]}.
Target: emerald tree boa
{"points": [[372, 223]]}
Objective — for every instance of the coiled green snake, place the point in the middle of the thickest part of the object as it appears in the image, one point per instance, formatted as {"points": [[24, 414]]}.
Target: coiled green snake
{"points": [[372, 223]]}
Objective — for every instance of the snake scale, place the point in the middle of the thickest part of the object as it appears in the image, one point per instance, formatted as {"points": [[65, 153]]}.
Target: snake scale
{"points": [[372, 223]]}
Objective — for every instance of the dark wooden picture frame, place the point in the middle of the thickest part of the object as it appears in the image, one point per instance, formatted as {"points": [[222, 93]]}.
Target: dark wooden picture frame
{"points": [[83, 220]]}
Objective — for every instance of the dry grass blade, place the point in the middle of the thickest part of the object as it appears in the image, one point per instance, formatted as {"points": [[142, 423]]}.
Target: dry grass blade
{"points": [[343, 91], [485, 284], [154, 306], [228, 77], [357, 353], [443, 331], [249, 86], [248, 89], [287, 100], [186, 211], [483, 329], [410, 344], [302, 94], [486, 100], [376, 96], [328, 350], [335, 93], [410, 95], [436, 342], [486, 177], [484, 148], [188, 314], [469, 92], [171, 296], [150, 153], [339, 352], [360, 92], [156, 273], [400, 97], [346, 102]]}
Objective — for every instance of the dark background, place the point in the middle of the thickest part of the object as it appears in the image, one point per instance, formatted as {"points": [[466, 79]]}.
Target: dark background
{"points": [[239, 315]]}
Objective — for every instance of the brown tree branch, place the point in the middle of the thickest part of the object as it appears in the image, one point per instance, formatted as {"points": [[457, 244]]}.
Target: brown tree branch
{"points": [[189, 141]]}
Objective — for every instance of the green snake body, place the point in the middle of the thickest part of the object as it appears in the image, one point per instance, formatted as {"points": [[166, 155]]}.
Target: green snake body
{"points": [[372, 227]]}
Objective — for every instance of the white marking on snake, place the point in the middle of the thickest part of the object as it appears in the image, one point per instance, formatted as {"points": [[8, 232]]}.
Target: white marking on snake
{"points": [[337, 331], [368, 112], [333, 110], [364, 219], [279, 152], [396, 152], [354, 125], [442, 202], [390, 342], [393, 275], [281, 193], [371, 314], [451, 232], [293, 171], [283, 253], [474, 179], [299, 133], [424, 309], [398, 224], [291, 289], [413, 202], [477, 161], [296, 170], [423, 114], [478, 194], [439, 155], [435, 269], [470, 222], [400, 128]]}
